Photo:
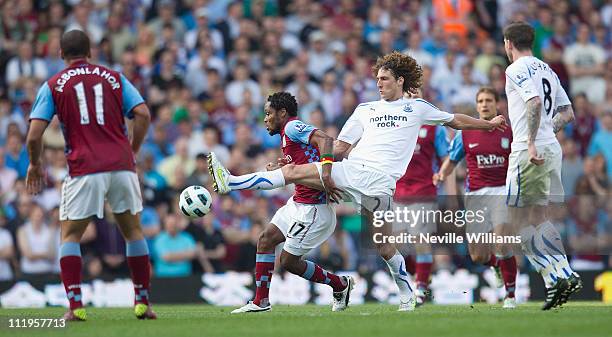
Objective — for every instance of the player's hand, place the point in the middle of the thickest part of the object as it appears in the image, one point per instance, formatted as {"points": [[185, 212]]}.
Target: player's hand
{"points": [[35, 178], [334, 194], [498, 123], [438, 178], [534, 157], [282, 161]]}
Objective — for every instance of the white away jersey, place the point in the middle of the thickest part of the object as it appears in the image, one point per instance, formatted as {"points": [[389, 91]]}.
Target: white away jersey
{"points": [[388, 131], [526, 78]]}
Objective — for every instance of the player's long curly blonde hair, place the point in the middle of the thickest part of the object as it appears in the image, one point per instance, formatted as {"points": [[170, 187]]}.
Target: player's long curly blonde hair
{"points": [[401, 65]]}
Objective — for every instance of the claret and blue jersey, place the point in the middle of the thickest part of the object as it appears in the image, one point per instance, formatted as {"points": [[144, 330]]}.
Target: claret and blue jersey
{"points": [[90, 102], [297, 149]]}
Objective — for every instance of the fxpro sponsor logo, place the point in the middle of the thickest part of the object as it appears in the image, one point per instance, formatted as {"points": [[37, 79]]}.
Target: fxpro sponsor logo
{"points": [[490, 160]]}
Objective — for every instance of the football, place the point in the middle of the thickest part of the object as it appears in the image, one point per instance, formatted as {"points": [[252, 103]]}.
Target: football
{"points": [[195, 201]]}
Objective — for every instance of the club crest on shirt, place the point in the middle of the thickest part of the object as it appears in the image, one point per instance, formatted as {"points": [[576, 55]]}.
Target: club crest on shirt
{"points": [[407, 108], [300, 127], [505, 143], [423, 133], [520, 78]]}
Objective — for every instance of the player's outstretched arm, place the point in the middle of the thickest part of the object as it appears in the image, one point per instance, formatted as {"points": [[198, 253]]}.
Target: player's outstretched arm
{"points": [[34, 144], [325, 144], [465, 122], [142, 119], [563, 116]]}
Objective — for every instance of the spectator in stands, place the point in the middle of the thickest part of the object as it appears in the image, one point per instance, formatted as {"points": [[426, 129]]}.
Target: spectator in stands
{"points": [[585, 63], [37, 243], [23, 66], [179, 161], [8, 176], [7, 250], [600, 143], [210, 245], [16, 156], [173, 249], [571, 167]]}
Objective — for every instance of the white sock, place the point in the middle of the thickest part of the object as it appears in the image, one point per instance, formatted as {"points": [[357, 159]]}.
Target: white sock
{"points": [[539, 262], [550, 241], [397, 267], [266, 180]]}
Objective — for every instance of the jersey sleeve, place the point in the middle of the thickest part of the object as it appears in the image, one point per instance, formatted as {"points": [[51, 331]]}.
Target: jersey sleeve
{"points": [[43, 107], [131, 97], [521, 80], [561, 98], [431, 114], [299, 131], [441, 142], [352, 130], [456, 151]]}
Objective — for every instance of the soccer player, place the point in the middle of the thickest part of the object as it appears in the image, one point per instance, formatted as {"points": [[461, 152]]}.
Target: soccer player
{"points": [[307, 220], [387, 132], [486, 154], [538, 107], [91, 102], [415, 191]]}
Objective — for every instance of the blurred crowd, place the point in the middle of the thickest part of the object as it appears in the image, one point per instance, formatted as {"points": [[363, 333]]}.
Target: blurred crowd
{"points": [[205, 68]]}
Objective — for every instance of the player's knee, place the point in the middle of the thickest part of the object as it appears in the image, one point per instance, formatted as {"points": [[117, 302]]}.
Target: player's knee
{"points": [[386, 250]]}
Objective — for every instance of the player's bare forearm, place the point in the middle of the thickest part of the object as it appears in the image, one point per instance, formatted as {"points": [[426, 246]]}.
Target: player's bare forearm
{"points": [[34, 142], [534, 111], [447, 167], [465, 122], [563, 116], [325, 144], [142, 119]]}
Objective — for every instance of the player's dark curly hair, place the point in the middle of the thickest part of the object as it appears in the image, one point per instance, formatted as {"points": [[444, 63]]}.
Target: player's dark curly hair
{"points": [[401, 65], [284, 100]]}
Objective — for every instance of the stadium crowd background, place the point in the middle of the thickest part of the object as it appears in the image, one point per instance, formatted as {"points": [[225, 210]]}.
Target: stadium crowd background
{"points": [[205, 69]]}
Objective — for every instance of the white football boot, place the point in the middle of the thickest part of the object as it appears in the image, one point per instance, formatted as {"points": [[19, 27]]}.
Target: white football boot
{"points": [[407, 303], [509, 303], [251, 307], [219, 174], [341, 298]]}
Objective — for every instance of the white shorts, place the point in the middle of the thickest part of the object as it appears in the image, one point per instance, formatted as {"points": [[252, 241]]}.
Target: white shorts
{"points": [[362, 185], [529, 184], [418, 219], [304, 226], [84, 196], [491, 203]]}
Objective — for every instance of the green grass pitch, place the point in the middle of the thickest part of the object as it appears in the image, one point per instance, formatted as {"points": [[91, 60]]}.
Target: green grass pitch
{"points": [[574, 319]]}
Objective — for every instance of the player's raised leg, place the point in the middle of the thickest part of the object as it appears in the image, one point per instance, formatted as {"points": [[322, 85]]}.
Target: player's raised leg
{"points": [[71, 265], [224, 181]]}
